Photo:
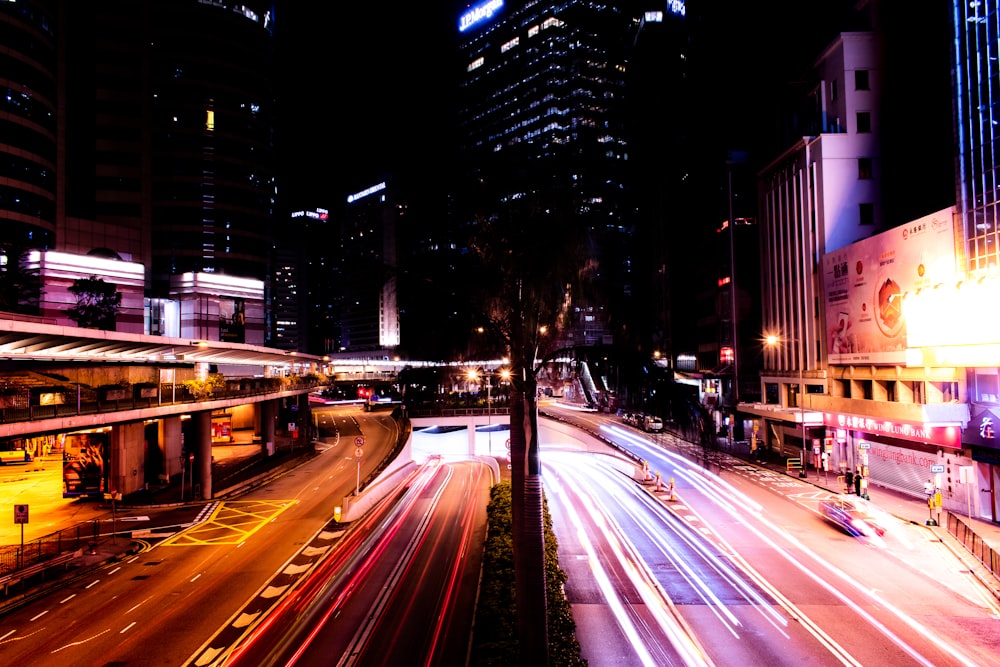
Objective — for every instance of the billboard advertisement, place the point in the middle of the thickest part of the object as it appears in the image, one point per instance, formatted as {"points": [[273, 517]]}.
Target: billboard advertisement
{"points": [[864, 284], [84, 469]]}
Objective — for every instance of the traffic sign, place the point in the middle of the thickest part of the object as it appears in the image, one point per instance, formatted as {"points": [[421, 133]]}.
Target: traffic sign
{"points": [[20, 514], [937, 467], [359, 441], [358, 452]]}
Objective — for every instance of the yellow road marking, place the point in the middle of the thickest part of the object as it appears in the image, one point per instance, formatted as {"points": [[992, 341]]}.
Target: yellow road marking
{"points": [[231, 523]]}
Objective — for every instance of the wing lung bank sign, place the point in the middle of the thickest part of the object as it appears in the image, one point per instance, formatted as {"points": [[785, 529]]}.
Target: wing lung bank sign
{"points": [[864, 284]]}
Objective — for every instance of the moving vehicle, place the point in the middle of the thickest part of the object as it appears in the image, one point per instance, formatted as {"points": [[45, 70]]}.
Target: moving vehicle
{"points": [[852, 515], [652, 424]]}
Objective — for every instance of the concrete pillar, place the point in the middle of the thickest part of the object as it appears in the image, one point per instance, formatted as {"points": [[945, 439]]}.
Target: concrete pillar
{"points": [[266, 411], [305, 430], [472, 436], [170, 445], [126, 472], [201, 431]]}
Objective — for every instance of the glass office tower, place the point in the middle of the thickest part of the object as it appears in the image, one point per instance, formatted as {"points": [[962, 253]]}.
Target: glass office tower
{"points": [[977, 49], [544, 125], [28, 125]]}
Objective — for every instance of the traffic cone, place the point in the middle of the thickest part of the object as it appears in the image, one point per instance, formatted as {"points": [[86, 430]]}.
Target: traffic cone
{"points": [[673, 494], [659, 485]]}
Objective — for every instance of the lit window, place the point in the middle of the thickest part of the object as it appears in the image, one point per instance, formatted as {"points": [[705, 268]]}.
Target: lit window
{"points": [[509, 45], [475, 64]]}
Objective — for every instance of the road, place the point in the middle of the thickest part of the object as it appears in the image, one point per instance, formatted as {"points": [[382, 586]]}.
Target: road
{"points": [[400, 590], [161, 605], [741, 569]]}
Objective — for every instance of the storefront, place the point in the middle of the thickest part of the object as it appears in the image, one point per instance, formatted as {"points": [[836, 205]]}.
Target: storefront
{"points": [[981, 439], [910, 457]]}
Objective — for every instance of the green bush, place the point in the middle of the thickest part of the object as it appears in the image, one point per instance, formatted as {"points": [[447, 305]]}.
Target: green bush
{"points": [[495, 636]]}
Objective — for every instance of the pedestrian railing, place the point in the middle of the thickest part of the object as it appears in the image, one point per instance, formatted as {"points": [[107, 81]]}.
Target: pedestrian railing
{"points": [[87, 401], [40, 551], [965, 534]]}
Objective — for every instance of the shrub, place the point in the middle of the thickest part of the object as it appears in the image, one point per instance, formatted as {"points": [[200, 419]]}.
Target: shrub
{"points": [[494, 639]]}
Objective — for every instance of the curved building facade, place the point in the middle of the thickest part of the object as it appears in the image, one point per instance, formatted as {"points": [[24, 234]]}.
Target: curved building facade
{"points": [[211, 131], [28, 126]]}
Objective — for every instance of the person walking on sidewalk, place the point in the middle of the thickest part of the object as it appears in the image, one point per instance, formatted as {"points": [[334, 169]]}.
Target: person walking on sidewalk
{"points": [[857, 481]]}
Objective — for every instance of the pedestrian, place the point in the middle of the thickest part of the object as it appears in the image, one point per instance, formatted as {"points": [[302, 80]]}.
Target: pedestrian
{"points": [[849, 480], [857, 481]]}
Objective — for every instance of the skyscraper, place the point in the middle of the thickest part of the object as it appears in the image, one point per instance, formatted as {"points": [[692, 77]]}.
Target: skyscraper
{"points": [[29, 125], [976, 51], [142, 132], [544, 123]]}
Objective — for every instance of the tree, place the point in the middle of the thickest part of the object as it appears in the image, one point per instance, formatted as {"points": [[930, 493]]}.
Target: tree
{"points": [[97, 303], [535, 264], [20, 286]]}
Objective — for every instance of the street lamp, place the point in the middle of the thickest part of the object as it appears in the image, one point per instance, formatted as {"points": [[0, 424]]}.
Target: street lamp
{"points": [[771, 341]]}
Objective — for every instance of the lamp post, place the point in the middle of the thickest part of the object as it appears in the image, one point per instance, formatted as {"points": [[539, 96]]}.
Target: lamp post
{"points": [[802, 418], [771, 341]]}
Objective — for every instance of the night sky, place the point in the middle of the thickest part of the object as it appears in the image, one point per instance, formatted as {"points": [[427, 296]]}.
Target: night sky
{"points": [[365, 87], [364, 91]]}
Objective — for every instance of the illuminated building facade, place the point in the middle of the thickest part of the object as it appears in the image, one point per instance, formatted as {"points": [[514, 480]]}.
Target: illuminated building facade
{"points": [[544, 123], [28, 123], [142, 134], [368, 287], [301, 295], [971, 337], [886, 362]]}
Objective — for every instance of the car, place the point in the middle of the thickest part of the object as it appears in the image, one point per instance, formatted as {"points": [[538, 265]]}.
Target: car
{"points": [[852, 515], [652, 424]]}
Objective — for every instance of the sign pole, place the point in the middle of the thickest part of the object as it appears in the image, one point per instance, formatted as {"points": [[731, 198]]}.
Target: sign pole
{"points": [[358, 452], [21, 517]]}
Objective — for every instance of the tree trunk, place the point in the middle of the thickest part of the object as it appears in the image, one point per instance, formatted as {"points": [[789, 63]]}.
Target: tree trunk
{"points": [[527, 518]]}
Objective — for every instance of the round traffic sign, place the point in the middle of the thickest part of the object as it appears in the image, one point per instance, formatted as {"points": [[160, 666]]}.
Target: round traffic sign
{"points": [[359, 441], [358, 452]]}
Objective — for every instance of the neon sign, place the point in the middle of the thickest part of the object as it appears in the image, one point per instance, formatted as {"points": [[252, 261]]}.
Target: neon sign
{"points": [[478, 14], [364, 193]]}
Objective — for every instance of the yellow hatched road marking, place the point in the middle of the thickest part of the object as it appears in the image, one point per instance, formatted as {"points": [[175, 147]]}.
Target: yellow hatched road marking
{"points": [[231, 523]]}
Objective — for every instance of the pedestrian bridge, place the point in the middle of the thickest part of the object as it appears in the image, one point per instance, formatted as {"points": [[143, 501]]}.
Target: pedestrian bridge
{"points": [[462, 431]]}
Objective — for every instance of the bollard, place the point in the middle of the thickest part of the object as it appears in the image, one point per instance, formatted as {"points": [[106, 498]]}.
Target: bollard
{"points": [[930, 511]]}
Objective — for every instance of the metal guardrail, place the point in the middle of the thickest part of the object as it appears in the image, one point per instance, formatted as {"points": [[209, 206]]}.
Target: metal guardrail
{"points": [[433, 411], [38, 569], [46, 548], [85, 401], [974, 543]]}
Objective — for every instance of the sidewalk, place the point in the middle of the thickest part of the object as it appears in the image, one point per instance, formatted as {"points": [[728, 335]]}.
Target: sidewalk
{"points": [[912, 510]]}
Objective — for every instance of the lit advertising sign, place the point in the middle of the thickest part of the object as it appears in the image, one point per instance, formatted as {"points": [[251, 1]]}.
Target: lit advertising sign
{"points": [[943, 435], [865, 284], [364, 193], [478, 14]]}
